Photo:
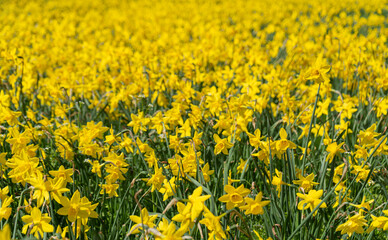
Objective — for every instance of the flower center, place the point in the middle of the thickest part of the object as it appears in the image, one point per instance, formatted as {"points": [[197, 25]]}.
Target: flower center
{"points": [[73, 210], [236, 198], [257, 209], [221, 145], [283, 144]]}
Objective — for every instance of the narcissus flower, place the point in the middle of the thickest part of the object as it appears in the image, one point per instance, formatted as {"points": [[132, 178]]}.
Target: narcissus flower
{"points": [[168, 188], [234, 197], [363, 205], [213, 225], [318, 73], [5, 210], [184, 215], [311, 200], [77, 208], [362, 172], [277, 181], [222, 145], [170, 232], [354, 224], [197, 202], [5, 233], [255, 139], [306, 182], [63, 173], [96, 167], [38, 222], [283, 144], [255, 206], [207, 172], [156, 179], [110, 189], [138, 122], [144, 219], [379, 222], [334, 149], [241, 166]]}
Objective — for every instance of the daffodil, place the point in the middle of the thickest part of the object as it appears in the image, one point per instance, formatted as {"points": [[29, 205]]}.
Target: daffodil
{"points": [[170, 232], [379, 222], [156, 179], [255, 139], [367, 137], [138, 122], [318, 73], [222, 145], [22, 167], [198, 202], [354, 224], [63, 173], [311, 200], [168, 188], [96, 167], [5, 210], [42, 188], [184, 215], [5, 233], [4, 193], [213, 225], [306, 183], [110, 189], [241, 166], [111, 138], [234, 197], [362, 171], [207, 172], [363, 205], [334, 149], [283, 144], [38, 222], [277, 181], [77, 208], [144, 220], [254, 206]]}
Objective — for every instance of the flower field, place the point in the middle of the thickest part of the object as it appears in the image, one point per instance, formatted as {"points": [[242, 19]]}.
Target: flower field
{"points": [[194, 119]]}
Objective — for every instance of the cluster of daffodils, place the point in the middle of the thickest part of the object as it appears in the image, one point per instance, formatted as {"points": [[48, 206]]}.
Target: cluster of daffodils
{"points": [[193, 119]]}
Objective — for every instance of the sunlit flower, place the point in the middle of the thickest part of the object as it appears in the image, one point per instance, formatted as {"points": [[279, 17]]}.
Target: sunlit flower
{"points": [[354, 224], [255, 206], [234, 197], [38, 222], [144, 219], [311, 200]]}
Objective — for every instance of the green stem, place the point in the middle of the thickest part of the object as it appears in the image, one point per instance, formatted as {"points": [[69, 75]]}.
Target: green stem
{"points": [[308, 135], [17, 212]]}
